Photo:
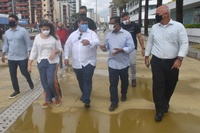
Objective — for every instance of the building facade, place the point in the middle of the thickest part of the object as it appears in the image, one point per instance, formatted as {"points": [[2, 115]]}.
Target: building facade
{"points": [[112, 10]]}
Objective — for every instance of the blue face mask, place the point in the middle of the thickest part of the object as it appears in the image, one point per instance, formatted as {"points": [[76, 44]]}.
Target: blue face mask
{"points": [[84, 27]]}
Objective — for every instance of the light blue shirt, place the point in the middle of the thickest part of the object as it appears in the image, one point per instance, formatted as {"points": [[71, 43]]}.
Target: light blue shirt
{"points": [[124, 40], [17, 43]]}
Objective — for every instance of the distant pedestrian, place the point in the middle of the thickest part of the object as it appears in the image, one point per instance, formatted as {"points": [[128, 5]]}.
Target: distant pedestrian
{"points": [[1, 38], [119, 43], [17, 44], [83, 13], [46, 49], [63, 35], [82, 44], [135, 31], [168, 44]]}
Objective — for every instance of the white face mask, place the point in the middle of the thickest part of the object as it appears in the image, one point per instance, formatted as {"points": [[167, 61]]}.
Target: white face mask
{"points": [[125, 22], [111, 27], [46, 32]]}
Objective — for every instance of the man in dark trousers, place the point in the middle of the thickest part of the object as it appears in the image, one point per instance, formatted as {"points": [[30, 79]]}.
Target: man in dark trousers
{"points": [[17, 44], [91, 23]]}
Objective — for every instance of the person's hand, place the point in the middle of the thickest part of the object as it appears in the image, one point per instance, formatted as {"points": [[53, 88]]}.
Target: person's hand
{"points": [[66, 62], [85, 42], [143, 52], [147, 61], [52, 55], [3, 58], [177, 64], [102, 47], [117, 50], [29, 68]]}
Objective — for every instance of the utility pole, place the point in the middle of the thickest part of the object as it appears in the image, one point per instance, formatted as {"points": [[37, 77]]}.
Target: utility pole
{"points": [[13, 7], [96, 11]]}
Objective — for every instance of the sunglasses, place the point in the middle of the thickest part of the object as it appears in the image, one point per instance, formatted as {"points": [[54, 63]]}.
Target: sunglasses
{"points": [[79, 36]]}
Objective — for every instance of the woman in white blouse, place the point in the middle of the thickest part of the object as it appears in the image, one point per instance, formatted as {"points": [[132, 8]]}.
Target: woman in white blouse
{"points": [[46, 49]]}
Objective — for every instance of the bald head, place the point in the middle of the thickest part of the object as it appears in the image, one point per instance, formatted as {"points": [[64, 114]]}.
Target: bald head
{"points": [[60, 25], [163, 14]]}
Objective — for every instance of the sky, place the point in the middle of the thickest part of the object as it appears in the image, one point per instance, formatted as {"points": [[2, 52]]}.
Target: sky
{"points": [[102, 6]]}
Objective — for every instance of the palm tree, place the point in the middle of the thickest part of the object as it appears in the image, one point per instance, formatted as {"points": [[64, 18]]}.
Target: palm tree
{"points": [[121, 4], [140, 14], [146, 17], [179, 11], [159, 3]]}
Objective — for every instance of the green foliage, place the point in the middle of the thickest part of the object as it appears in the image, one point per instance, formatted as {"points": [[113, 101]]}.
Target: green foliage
{"points": [[192, 25]]}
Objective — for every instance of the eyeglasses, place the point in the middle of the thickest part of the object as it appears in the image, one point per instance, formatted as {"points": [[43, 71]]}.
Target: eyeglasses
{"points": [[79, 36]]}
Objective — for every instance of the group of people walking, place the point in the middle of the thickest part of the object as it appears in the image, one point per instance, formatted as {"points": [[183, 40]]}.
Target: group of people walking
{"points": [[167, 43]]}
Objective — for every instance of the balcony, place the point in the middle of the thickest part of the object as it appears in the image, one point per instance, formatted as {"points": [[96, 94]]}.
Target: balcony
{"points": [[22, 4], [5, 10], [52, 3], [38, 8], [51, 8], [25, 14], [38, 3], [39, 13], [22, 9], [4, 0], [6, 5]]}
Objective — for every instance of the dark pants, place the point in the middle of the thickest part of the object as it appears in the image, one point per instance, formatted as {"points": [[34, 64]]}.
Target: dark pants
{"points": [[114, 75], [84, 77], [13, 72], [164, 82]]}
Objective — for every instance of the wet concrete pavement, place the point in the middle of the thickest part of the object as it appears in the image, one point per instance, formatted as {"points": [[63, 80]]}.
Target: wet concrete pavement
{"points": [[134, 115]]}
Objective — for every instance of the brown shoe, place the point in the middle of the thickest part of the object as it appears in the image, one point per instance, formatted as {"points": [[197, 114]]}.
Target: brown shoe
{"points": [[58, 103], [46, 104], [134, 83]]}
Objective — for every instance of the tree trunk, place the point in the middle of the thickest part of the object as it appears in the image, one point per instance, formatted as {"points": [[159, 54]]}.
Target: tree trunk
{"points": [[140, 14], [179, 11], [146, 17], [159, 3]]}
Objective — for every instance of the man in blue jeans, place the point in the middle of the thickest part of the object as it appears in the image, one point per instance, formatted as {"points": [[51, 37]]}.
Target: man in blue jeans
{"points": [[83, 43], [17, 44], [120, 43]]}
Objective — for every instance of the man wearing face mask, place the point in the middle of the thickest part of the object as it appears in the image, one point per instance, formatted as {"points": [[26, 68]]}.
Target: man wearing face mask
{"points": [[119, 43], [135, 31], [63, 35], [83, 13], [82, 44], [17, 44], [168, 44]]}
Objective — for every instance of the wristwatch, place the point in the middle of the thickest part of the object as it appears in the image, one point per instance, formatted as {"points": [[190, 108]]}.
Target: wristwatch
{"points": [[180, 58]]}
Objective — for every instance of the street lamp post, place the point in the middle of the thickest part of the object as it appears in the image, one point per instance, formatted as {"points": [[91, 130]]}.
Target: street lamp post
{"points": [[13, 7]]}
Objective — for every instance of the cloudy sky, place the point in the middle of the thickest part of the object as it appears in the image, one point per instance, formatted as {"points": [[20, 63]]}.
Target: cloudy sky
{"points": [[102, 6]]}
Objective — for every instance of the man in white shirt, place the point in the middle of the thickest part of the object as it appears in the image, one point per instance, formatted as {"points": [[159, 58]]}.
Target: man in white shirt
{"points": [[82, 44], [168, 44]]}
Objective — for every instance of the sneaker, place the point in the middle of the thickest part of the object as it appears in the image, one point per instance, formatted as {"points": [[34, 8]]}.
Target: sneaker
{"points": [[31, 85], [134, 83], [15, 94], [58, 103], [87, 105], [46, 104]]}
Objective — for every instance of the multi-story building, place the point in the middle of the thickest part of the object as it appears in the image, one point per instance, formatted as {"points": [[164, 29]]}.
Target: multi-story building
{"points": [[90, 13], [75, 5], [112, 10]]}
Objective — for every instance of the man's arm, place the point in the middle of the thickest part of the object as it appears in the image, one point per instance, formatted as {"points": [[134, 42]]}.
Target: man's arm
{"points": [[141, 41]]}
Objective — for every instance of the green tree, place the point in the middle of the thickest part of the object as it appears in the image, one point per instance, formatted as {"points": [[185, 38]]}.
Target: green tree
{"points": [[179, 11], [146, 22], [159, 3], [121, 4]]}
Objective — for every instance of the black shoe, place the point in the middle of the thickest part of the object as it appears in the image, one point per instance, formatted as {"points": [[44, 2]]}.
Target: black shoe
{"points": [[31, 85], [87, 105], [15, 94], [166, 110], [158, 117], [133, 83], [123, 98], [113, 107]]}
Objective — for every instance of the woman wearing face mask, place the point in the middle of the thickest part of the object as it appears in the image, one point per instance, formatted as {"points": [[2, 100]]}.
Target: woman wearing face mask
{"points": [[46, 49]]}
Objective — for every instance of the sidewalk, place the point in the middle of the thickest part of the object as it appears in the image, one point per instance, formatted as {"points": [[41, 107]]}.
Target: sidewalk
{"points": [[134, 115]]}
